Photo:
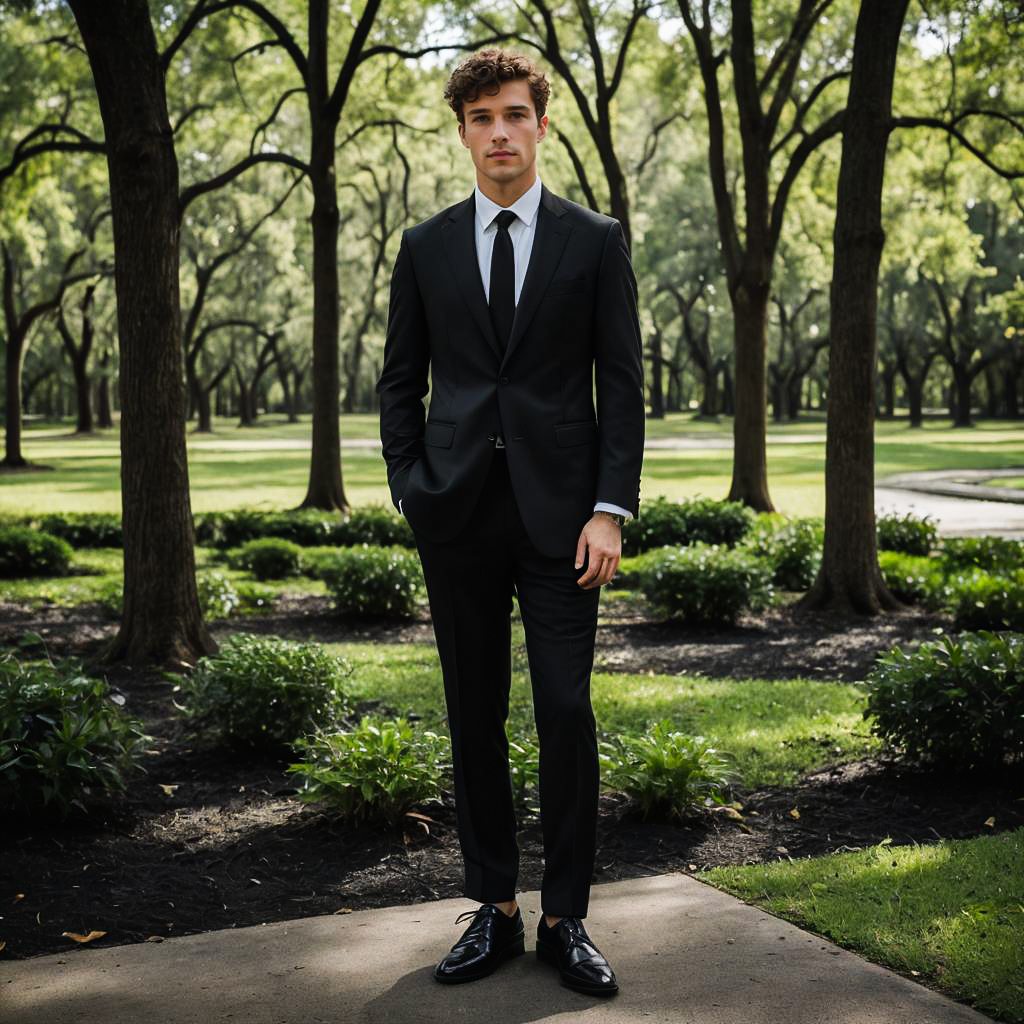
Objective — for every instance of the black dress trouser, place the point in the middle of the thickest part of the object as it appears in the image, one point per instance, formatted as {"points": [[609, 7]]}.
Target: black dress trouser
{"points": [[470, 582]]}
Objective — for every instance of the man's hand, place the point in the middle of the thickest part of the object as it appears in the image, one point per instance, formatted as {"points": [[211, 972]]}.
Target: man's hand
{"points": [[603, 537]]}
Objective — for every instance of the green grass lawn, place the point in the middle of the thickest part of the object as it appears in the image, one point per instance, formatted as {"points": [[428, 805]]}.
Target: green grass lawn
{"points": [[267, 466], [952, 913]]}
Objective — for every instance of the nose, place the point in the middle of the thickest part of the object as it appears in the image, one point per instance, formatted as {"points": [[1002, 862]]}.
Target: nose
{"points": [[500, 133]]}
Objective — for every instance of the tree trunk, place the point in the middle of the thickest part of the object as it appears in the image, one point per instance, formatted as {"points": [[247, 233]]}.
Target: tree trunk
{"points": [[83, 396], [961, 403], [161, 622], [915, 391], [104, 414], [888, 376], [325, 489], [750, 465], [849, 578], [14, 355], [1010, 390], [656, 392]]}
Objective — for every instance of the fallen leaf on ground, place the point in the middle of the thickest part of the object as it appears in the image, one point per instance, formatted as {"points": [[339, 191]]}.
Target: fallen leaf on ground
{"points": [[84, 938]]}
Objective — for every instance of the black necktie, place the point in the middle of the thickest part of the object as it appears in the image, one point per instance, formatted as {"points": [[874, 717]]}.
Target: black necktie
{"points": [[502, 291]]}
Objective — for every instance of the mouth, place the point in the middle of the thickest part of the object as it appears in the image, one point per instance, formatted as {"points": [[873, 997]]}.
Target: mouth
{"points": [[500, 154]]}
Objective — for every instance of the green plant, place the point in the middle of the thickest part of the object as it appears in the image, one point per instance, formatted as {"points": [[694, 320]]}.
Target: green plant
{"points": [[704, 583], [954, 700], [373, 773], [83, 529], [524, 768], [28, 552], [268, 558], [663, 522], [374, 524], [63, 736], [991, 554], [664, 771], [369, 524], [369, 580], [792, 547], [981, 600], [908, 533], [261, 692], [219, 596], [913, 579]]}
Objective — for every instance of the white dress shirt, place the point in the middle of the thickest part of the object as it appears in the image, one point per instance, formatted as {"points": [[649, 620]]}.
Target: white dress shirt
{"points": [[522, 231]]}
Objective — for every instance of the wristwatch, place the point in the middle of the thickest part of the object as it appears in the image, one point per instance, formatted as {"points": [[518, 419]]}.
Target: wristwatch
{"points": [[617, 516]]}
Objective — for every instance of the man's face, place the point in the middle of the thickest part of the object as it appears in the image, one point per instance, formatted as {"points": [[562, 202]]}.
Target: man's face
{"points": [[502, 132]]}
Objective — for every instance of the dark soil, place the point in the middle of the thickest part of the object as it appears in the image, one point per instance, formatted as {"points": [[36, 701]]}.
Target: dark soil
{"points": [[227, 843]]}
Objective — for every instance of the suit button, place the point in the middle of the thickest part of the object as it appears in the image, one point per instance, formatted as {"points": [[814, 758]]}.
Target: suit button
{"points": [[503, 380]]}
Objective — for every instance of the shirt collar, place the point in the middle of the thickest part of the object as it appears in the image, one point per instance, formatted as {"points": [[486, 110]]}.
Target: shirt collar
{"points": [[525, 207]]}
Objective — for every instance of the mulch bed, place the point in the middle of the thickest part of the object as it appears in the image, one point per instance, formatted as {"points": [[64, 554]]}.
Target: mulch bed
{"points": [[231, 846]]}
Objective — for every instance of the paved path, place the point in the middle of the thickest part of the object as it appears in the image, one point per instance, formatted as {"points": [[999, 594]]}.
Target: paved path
{"points": [[956, 500], [684, 953]]}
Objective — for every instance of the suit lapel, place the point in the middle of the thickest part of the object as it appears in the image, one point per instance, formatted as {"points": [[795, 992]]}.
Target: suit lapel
{"points": [[460, 249], [548, 245]]}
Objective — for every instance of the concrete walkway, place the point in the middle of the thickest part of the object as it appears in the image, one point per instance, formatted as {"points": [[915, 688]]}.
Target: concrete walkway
{"points": [[684, 953], [956, 501]]}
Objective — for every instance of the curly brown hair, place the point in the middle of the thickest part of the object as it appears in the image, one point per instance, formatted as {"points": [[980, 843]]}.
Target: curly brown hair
{"points": [[487, 70]]}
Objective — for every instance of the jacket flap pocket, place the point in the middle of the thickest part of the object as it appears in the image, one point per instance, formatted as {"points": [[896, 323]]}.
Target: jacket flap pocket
{"points": [[439, 435], [576, 433]]}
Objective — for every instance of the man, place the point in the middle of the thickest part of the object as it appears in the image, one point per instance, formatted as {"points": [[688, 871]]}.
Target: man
{"points": [[514, 299]]}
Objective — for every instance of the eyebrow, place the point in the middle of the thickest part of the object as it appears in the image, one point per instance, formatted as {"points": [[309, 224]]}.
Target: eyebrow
{"points": [[487, 110]]}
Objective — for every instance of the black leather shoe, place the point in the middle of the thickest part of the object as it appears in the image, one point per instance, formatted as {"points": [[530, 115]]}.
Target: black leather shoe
{"points": [[568, 947], [491, 937]]}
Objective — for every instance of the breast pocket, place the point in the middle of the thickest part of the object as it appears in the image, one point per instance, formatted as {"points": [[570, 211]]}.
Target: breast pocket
{"points": [[566, 286]]}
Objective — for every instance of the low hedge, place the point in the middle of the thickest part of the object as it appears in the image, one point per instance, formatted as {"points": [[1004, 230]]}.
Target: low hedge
{"points": [[955, 701], [704, 583], [697, 520], [792, 547], [368, 580], [262, 692], [25, 551], [909, 534]]}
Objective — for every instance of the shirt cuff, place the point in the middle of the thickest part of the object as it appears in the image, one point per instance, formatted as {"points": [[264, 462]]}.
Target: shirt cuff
{"points": [[607, 506]]}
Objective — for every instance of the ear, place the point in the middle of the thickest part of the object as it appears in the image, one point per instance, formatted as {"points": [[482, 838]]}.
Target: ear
{"points": [[462, 134], [542, 127]]}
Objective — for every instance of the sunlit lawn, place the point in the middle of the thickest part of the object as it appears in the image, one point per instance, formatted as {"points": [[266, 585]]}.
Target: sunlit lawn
{"points": [[268, 465], [951, 913]]}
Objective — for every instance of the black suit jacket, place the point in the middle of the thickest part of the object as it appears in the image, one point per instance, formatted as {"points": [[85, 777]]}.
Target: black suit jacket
{"points": [[575, 327]]}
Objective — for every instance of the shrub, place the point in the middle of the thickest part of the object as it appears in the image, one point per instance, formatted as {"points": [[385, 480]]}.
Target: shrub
{"points": [[663, 522], [913, 579], [373, 773], [791, 547], [983, 601], [992, 554], [62, 737], [219, 596], [261, 692], [910, 534], [954, 701], [269, 558], [704, 583], [374, 580], [374, 524], [84, 529], [28, 552], [664, 771], [308, 527]]}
